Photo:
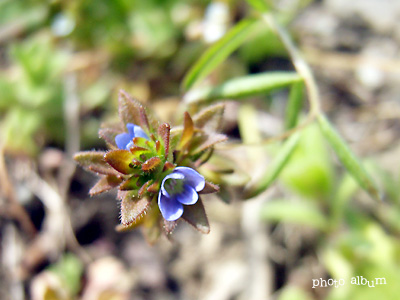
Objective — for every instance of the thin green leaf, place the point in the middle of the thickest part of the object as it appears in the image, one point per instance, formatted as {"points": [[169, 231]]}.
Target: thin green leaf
{"points": [[294, 212], [260, 5], [294, 105], [218, 52], [348, 158], [274, 168], [243, 86]]}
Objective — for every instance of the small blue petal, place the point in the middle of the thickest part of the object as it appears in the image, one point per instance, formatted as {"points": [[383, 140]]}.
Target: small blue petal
{"points": [[139, 132], [170, 176], [122, 140], [136, 131], [188, 196], [171, 209], [192, 178]]}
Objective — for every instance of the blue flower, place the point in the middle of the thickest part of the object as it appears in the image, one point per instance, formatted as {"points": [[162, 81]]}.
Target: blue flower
{"points": [[177, 189], [124, 140]]}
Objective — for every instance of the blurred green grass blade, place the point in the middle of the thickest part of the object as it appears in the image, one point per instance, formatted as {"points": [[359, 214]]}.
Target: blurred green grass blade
{"points": [[274, 168], [348, 158], [219, 51], [301, 213], [294, 105], [259, 5], [243, 86]]}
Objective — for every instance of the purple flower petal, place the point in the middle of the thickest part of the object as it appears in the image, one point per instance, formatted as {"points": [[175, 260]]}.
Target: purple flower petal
{"points": [[188, 196], [136, 131], [122, 140], [192, 178], [170, 176], [170, 209], [139, 132]]}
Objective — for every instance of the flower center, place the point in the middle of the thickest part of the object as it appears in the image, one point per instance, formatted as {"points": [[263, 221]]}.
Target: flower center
{"points": [[173, 186]]}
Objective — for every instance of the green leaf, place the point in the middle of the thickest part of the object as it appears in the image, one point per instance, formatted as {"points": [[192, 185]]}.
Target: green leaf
{"points": [[294, 105], [69, 269], [292, 292], [259, 5], [120, 160], [218, 52], [294, 212], [243, 86], [348, 158], [310, 172], [274, 168]]}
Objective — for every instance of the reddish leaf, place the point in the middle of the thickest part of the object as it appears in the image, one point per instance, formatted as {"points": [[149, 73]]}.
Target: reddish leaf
{"points": [[188, 130], [108, 135], [168, 166], [143, 119], [163, 132], [104, 184], [129, 109], [120, 160], [129, 184], [169, 226], [154, 188], [151, 164], [196, 216], [210, 117], [210, 141], [94, 161], [132, 208], [132, 111], [209, 188], [144, 187]]}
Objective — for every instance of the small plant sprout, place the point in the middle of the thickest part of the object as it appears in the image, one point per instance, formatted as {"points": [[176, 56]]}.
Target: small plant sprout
{"points": [[153, 167]]}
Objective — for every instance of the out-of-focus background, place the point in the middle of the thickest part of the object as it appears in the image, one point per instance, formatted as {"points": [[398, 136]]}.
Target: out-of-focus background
{"points": [[61, 66]]}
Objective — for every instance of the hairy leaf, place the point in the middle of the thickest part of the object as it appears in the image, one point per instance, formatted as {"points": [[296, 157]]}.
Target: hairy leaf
{"points": [[169, 226], [209, 188], [210, 117], [188, 130], [120, 160], [94, 161], [129, 109], [132, 207], [151, 164], [164, 133], [196, 216], [104, 184], [209, 141]]}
